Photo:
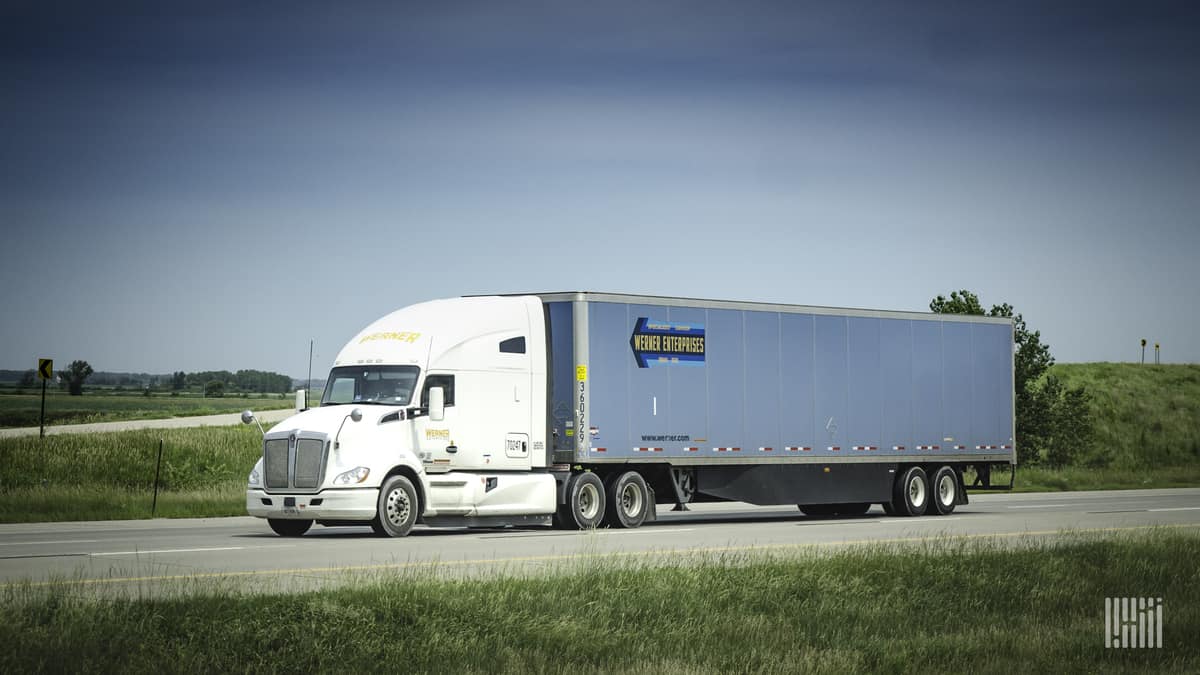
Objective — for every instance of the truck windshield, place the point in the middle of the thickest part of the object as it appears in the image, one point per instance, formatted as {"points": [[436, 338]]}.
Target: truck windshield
{"points": [[385, 385]]}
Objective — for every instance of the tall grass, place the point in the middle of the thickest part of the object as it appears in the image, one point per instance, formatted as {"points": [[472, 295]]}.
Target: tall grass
{"points": [[111, 475], [1143, 416], [947, 608]]}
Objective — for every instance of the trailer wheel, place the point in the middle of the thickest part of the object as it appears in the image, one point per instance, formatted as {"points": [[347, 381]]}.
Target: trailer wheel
{"points": [[585, 502], [910, 496], [628, 500], [289, 528], [944, 492], [396, 511]]}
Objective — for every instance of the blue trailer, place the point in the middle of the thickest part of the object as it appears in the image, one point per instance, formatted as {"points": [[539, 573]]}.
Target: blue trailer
{"points": [[830, 409]]}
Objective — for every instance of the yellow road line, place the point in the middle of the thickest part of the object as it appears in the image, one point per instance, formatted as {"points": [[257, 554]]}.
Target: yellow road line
{"points": [[588, 556]]}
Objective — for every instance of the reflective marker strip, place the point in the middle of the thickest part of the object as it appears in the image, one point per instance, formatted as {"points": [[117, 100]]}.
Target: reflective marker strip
{"points": [[865, 447], [766, 449], [797, 448], [833, 448], [986, 447], [691, 449], [1006, 447], [897, 447], [599, 449], [929, 447], [648, 449], [727, 449], [960, 447]]}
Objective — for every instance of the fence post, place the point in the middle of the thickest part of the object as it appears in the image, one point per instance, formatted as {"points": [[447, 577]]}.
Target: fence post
{"points": [[157, 468]]}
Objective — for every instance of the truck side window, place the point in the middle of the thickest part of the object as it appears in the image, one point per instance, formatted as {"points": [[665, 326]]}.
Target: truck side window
{"points": [[513, 345], [446, 382]]}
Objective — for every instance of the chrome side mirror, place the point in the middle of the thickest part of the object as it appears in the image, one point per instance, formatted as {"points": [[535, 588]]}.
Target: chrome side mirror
{"points": [[248, 417], [301, 400]]}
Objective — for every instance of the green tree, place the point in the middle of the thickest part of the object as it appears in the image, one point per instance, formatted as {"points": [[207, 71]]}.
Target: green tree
{"points": [[1039, 405], [27, 378], [75, 375], [214, 389], [178, 380]]}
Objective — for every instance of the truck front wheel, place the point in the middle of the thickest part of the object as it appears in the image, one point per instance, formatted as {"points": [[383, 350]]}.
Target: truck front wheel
{"points": [[396, 511], [289, 528]]}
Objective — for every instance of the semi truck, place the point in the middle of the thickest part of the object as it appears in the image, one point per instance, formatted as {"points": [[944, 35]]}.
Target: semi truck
{"points": [[583, 409]]}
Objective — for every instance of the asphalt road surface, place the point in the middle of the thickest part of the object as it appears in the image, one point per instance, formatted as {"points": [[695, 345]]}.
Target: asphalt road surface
{"points": [[172, 556], [224, 419]]}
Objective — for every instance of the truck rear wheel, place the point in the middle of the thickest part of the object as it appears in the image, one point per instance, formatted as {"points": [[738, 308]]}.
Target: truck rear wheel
{"points": [[628, 500], [944, 492], [910, 496], [289, 528], [396, 511], [585, 502]]}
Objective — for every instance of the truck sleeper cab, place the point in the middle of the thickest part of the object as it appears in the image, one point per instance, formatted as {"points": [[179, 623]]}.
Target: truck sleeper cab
{"points": [[585, 409]]}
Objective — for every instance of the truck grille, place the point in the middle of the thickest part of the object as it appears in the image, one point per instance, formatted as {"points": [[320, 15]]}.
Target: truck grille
{"points": [[294, 463]]}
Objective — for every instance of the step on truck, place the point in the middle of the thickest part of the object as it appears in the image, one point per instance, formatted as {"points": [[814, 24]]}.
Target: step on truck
{"points": [[586, 409]]}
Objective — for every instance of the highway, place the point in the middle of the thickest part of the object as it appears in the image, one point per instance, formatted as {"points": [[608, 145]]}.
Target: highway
{"points": [[266, 417], [172, 556]]}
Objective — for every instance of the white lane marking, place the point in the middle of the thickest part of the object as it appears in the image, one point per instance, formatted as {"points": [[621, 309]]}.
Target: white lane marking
{"points": [[908, 521], [178, 550], [1036, 506], [657, 531], [1178, 508], [35, 543]]}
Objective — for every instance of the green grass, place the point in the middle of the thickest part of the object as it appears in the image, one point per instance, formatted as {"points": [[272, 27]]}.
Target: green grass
{"points": [[1144, 416], [23, 410], [111, 475], [1041, 479], [949, 607]]}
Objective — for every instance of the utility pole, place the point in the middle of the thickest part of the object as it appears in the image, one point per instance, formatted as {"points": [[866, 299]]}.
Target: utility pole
{"points": [[308, 382]]}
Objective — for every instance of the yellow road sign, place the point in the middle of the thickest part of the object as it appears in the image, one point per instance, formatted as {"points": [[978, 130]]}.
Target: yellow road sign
{"points": [[46, 368]]}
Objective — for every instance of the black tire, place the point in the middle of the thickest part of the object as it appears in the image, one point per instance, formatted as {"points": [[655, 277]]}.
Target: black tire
{"points": [[910, 495], [289, 528], [943, 492], [585, 502], [628, 500], [817, 509], [396, 510], [855, 509]]}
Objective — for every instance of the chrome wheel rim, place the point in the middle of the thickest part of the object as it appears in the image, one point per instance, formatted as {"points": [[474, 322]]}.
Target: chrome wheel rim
{"points": [[631, 500], [397, 507], [916, 491], [589, 501]]}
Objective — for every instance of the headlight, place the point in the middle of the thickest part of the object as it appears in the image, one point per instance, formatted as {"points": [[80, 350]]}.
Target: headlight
{"points": [[255, 480], [356, 475]]}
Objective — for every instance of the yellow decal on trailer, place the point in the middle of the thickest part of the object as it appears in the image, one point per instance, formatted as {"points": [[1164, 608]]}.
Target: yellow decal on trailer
{"points": [[581, 373]]}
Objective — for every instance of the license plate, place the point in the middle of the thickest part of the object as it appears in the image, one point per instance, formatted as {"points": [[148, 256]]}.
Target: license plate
{"points": [[291, 511]]}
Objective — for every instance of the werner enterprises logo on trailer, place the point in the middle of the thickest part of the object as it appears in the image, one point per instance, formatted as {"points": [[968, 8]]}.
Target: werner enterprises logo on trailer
{"points": [[663, 343]]}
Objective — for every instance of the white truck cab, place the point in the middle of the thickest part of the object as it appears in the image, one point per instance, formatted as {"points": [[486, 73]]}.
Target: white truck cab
{"points": [[429, 414]]}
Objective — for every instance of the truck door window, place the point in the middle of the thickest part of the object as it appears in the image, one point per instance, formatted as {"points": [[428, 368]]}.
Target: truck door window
{"points": [[446, 382], [513, 345]]}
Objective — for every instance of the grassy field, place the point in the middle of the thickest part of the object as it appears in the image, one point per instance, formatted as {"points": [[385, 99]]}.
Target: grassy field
{"points": [[944, 607], [111, 475], [1144, 416]]}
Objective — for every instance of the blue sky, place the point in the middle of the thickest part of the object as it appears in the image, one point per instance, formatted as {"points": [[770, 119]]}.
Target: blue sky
{"points": [[196, 186]]}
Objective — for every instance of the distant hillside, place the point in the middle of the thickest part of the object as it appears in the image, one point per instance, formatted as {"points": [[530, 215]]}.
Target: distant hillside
{"points": [[1143, 415]]}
